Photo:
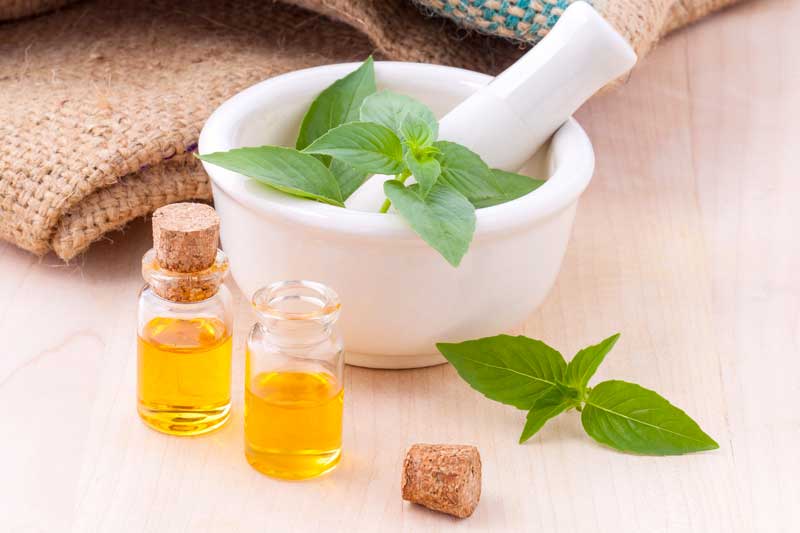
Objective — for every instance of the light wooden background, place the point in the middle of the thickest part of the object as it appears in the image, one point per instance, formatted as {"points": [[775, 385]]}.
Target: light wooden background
{"points": [[686, 242]]}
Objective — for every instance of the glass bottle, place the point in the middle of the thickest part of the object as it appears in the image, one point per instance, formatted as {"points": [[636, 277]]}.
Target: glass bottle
{"points": [[185, 322], [294, 392]]}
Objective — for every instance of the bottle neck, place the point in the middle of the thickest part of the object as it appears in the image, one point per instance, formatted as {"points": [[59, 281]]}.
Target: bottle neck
{"points": [[296, 313], [184, 287], [295, 334]]}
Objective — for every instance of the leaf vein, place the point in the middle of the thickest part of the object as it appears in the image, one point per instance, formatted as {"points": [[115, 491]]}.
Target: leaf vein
{"points": [[659, 428]]}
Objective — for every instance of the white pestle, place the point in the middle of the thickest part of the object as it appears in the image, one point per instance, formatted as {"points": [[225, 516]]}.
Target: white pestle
{"points": [[509, 119]]}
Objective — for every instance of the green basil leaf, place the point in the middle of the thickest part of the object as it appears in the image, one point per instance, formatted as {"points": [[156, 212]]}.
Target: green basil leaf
{"points": [[417, 133], [630, 418], [365, 146], [509, 186], [338, 104], [465, 171], [391, 110], [349, 179], [513, 370], [425, 170], [284, 169], [585, 363], [550, 404], [444, 219]]}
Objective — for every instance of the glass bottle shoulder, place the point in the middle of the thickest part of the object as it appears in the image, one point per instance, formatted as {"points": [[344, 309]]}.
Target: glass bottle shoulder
{"points": [[215, 312], [326, 345]]}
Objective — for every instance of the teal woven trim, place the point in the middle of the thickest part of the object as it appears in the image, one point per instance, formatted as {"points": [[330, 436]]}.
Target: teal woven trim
{"points": [[526, 20]]}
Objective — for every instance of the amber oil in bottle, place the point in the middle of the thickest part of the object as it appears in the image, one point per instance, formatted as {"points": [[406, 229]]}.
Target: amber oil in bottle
{"points": [[185, 374], [293, 390], [185, 325]]}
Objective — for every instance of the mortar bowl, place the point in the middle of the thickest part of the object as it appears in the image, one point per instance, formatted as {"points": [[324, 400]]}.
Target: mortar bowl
{"points": [[399, 296]]}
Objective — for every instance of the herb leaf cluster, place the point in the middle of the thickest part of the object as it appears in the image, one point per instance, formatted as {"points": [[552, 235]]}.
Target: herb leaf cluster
{"points": [[351, 131], [530, 375]]}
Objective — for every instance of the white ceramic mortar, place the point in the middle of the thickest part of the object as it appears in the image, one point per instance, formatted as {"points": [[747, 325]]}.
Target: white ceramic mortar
{"points": [[399, 295]]}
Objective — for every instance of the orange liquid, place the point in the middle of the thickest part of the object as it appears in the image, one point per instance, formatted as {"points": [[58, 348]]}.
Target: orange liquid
{"points": [[293, 423], [184, 375]]}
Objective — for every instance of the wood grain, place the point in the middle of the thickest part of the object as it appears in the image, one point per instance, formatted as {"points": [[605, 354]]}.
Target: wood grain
{"points": [[686, 242]]}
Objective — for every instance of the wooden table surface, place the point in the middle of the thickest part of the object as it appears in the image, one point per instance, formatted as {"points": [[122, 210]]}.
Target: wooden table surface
{"points": [[687, 242]]}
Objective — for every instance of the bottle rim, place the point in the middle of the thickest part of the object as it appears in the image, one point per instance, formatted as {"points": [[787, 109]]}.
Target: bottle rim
{"points": [[297, 300]]}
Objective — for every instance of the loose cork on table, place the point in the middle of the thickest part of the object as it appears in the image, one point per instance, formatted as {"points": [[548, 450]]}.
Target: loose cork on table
{"points": [[443, 477]]}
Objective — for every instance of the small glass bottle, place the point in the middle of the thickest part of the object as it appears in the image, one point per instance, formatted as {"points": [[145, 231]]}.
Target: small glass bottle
{"points": [[294, 393], [185, 324]]}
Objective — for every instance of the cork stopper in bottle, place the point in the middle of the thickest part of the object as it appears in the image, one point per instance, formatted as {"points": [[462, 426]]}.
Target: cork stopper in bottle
{"points": [[185, 236], [442, 477]]}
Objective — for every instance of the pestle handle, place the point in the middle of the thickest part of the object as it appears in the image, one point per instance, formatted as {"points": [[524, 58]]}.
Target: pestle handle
{"points": [[507, 121], [523, 106]]}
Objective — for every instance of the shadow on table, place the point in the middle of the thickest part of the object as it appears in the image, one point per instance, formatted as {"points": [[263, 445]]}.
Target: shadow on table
{"points": [[116, 257]]}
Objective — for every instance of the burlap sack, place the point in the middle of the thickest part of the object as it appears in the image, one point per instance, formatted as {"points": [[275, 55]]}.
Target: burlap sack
{"points": [[102, 102]]}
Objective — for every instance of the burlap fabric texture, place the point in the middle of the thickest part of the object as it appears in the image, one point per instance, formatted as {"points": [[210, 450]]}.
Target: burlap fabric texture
{"points": [[101, 103]]}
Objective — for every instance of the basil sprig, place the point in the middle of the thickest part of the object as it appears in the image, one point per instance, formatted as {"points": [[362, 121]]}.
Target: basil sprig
{"points": [[530, 375], [351, 130]]}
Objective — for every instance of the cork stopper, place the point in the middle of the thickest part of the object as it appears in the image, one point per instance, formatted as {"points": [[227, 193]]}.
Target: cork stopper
{"points": [[442, 477], [185, 236], [185, 264]]}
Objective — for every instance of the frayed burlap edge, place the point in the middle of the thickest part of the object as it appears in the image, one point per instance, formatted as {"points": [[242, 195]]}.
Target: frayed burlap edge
{"points": [[685, 12]]}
